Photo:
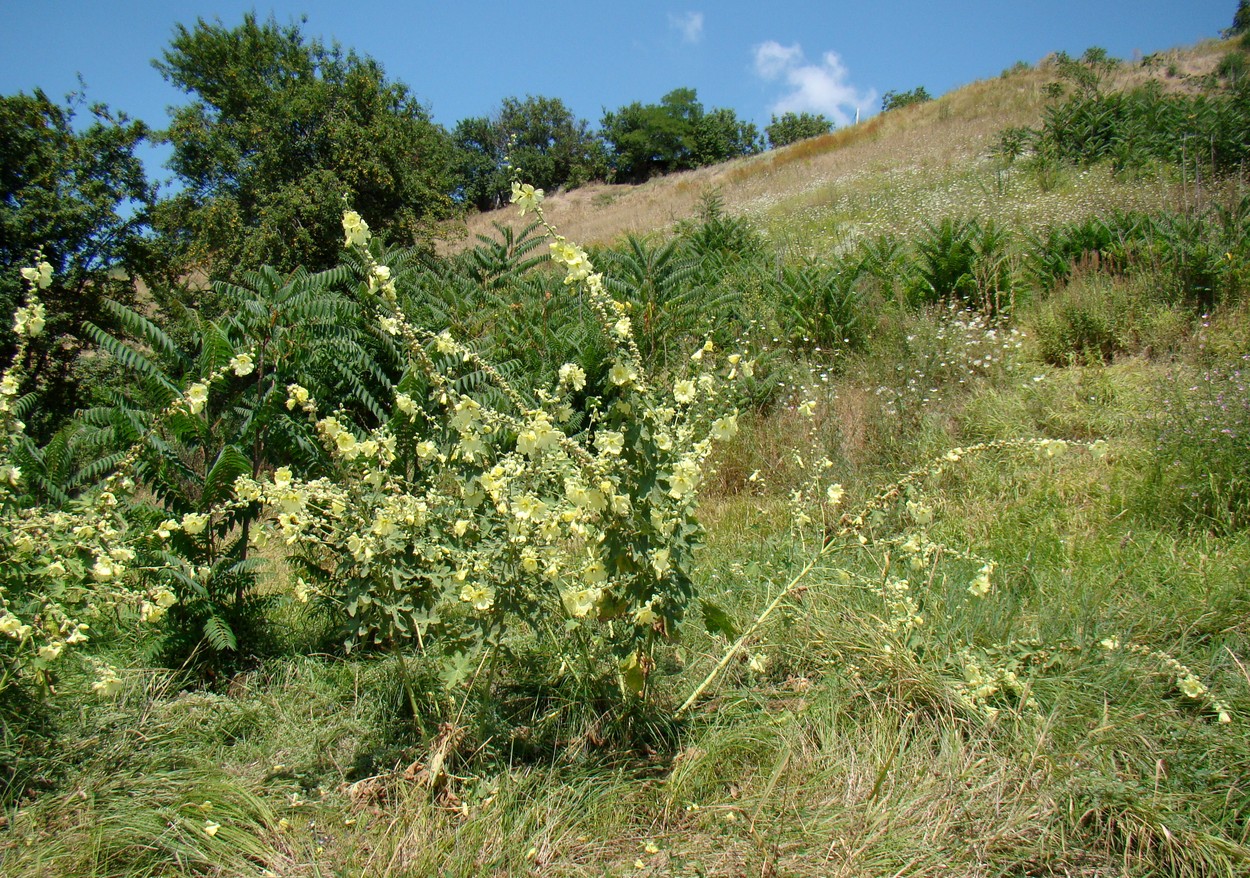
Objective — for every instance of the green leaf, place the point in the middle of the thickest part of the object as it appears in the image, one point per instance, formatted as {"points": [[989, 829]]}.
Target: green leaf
{"points": [[219, 482], [219, 635], [456, 669], [717, 620]]}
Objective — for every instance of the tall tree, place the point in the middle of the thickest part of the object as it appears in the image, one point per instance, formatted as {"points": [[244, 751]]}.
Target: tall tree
{"points": [[719, 135], [674, 135], [78, 192], [792, 127], [540, 136], [280, 130]]}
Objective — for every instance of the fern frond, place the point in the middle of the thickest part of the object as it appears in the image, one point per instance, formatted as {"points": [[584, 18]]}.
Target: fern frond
{"points": [[219, 635]]}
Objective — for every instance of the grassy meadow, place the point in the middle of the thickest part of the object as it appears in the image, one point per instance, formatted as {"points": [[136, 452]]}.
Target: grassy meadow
{"points": [[982, 561]]}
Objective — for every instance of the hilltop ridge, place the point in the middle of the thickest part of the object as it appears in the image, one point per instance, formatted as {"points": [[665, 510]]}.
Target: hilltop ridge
{"points": [[934, 157]]}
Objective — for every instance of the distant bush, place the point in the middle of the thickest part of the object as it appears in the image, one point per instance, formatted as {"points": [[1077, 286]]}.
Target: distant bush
{"points": [[896, 100], [792, 127], [1131, 129]]}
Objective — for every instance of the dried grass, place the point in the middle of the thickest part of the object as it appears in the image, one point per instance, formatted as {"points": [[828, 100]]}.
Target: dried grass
{"points": [[930, 140]]}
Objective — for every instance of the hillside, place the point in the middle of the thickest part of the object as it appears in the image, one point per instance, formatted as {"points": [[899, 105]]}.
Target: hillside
{"points": [[933, 158], [890, 519]]}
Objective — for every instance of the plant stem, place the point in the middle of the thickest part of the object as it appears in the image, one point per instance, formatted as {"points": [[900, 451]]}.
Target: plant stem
{"points": [[746, 635]]}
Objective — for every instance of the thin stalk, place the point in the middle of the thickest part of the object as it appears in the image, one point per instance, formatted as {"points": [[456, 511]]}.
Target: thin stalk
{"points": [[790, 588]]}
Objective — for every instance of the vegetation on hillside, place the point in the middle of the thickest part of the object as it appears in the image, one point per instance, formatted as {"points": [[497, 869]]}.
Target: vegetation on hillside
{"points": [[871, 531]]}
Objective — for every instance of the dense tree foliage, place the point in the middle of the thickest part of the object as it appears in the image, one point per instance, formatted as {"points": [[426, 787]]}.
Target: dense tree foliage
{"points": [[792, 127], [81, 196], [539, 136], [676, 134], [896, 100], [279, 131], [1241, 19]]}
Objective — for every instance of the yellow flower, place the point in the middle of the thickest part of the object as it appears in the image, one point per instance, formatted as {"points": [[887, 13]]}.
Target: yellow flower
{"points": [[245, 489], [1191, 686], [594, 573], [346, 444], [194, 523], [660, 562], [919, 513], [29, 320], [980, 586], [683, 391], [573, 258], [480, 597], [380, 276], [355, 229], [580, 602], [242, 364], [39, 275], [109, 683], [725, 428], [620, 374], [610, 442], [51, 651], [685, 478], [834, 494], [405, 404], [210, 828], [296, 396], [1054, 447], [525, 196], [301, 590], [197, 396], [527, 508], [529, 560], [572, 376]]}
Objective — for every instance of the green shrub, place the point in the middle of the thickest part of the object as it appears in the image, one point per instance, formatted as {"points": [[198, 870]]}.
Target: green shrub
{"points": [[820, 308], [964, 261]]}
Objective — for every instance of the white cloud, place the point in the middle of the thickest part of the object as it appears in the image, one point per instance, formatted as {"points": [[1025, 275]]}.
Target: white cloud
{"points": [[772, 58], [689, 25], [813, 88]]}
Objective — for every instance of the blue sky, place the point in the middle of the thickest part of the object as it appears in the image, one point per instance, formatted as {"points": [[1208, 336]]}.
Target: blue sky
{"points": [[461, 57]]}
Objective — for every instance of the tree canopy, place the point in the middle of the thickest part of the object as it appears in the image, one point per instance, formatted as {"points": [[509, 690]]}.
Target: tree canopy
{"points": [[896, 100], [79, 195], [538, 135], [674, 135], [281, 130], [792, 127]]}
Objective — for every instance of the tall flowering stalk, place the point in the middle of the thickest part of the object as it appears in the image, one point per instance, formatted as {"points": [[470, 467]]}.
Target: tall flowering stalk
{"points": [[471, 512]]}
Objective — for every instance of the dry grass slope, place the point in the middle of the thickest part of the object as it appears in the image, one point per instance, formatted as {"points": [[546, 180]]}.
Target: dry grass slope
{"points": [[856, 174]]}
